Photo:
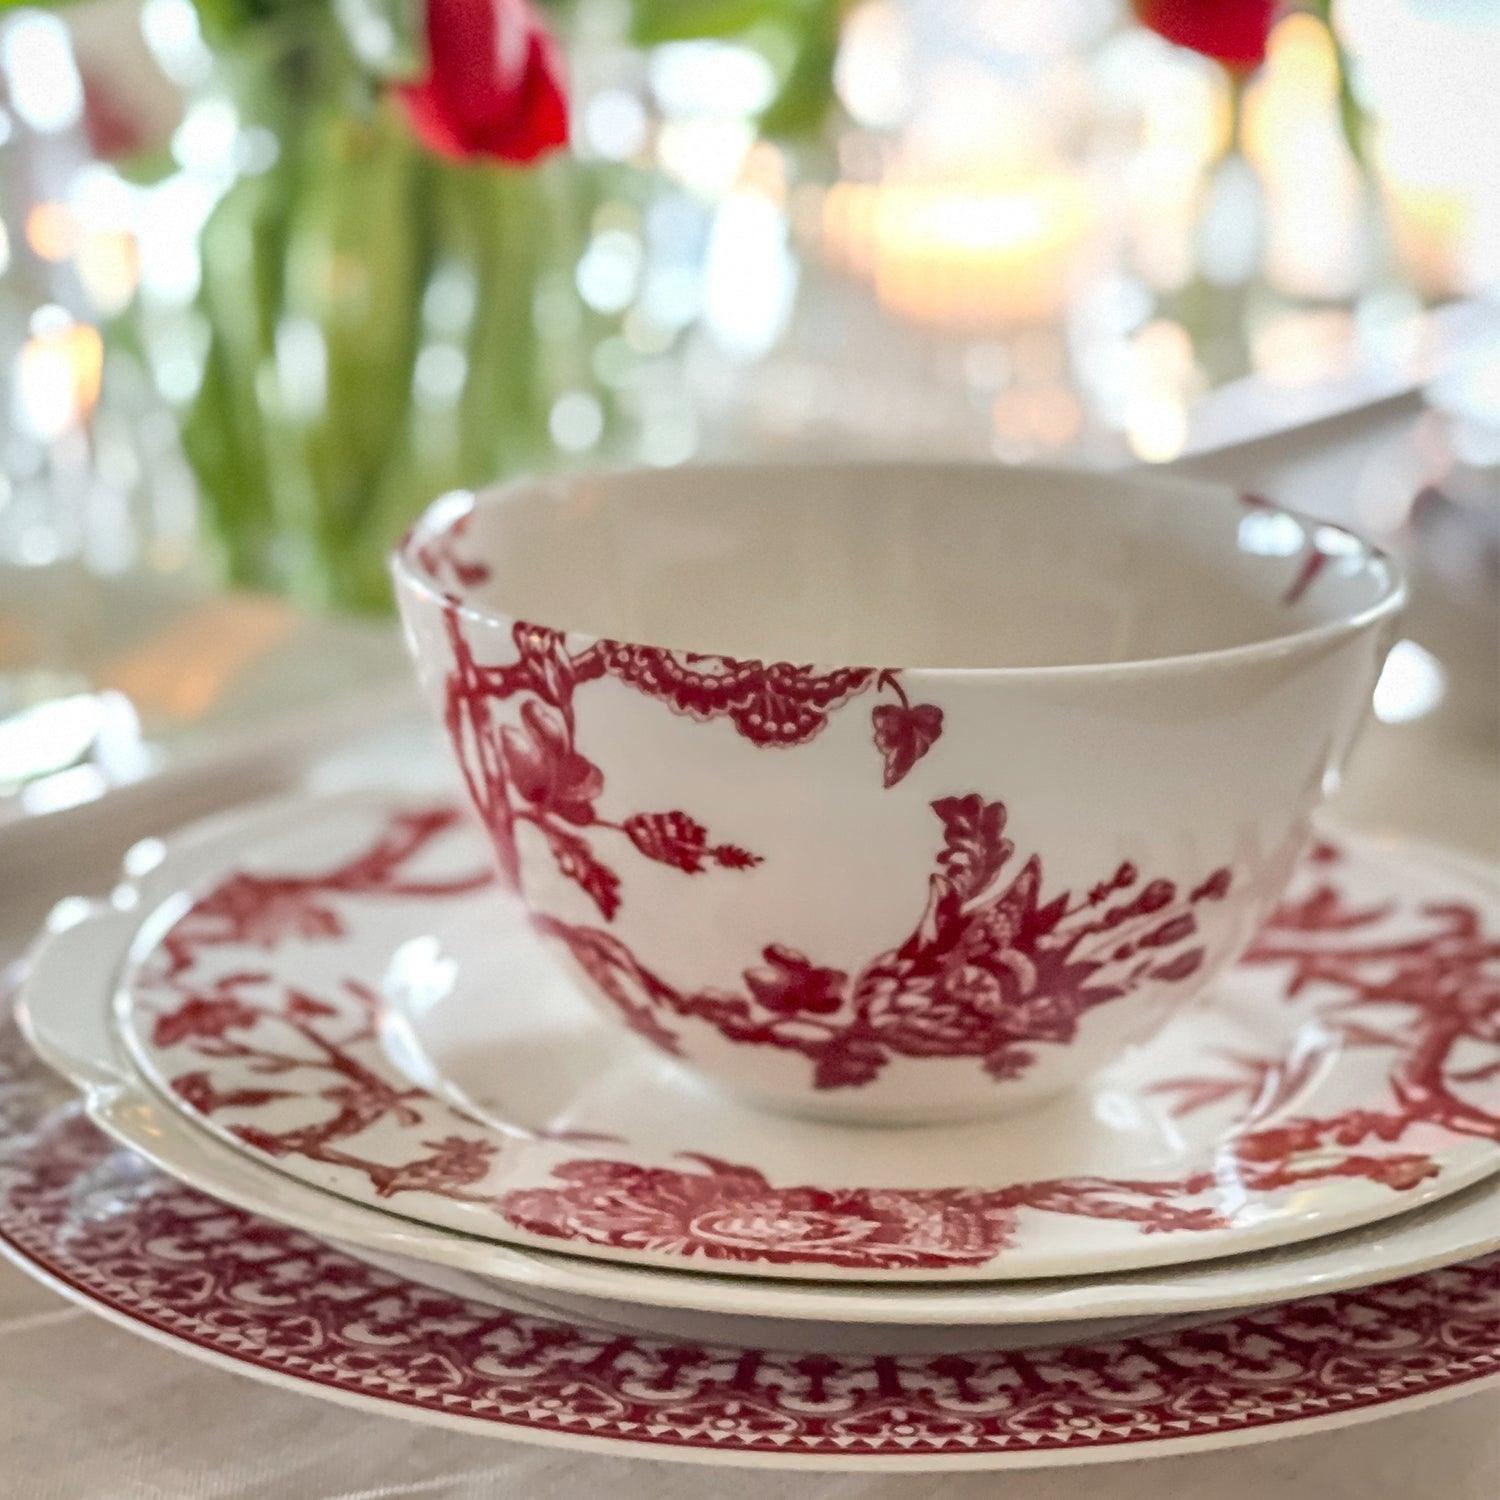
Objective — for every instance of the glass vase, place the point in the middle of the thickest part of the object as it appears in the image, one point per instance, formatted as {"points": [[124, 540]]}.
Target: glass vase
{"points": [[378, 325]]}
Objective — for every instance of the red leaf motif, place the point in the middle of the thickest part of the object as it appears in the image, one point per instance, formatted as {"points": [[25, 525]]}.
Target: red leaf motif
{"points": [[251, 1098], [673, 838], [1123, 878], [1198, 1093], [1045, 918], [1177, 930], [1158, 893], [1014, 920], [1179, 968], [1324, 910], [254, 909], [439, 555], [938, 929], [904, 734], [670, 838], [974, 847], [1402, 1173], [305, 1008], [575, 860], [261, 1140], [197, 1091], [199, 1018], [544, 653]]}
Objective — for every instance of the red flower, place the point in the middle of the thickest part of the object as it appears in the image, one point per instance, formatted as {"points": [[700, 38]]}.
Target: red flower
{"points": [[1232, 31], [789, 982], [548, 772], [729, 1212], [494, 88]]}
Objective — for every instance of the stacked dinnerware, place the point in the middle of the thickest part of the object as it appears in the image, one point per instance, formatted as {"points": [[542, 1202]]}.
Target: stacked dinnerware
{"points": [[979, 1059]]}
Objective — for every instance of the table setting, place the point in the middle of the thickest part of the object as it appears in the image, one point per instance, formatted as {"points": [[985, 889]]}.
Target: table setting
{"points": [[749, 899], [371, 1140]]}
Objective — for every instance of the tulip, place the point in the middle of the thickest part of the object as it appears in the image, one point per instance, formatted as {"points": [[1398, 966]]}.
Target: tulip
{"points": [[1233, 32], [494, 87]]}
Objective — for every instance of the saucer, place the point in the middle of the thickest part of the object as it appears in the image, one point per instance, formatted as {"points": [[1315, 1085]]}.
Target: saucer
{"points": [[350, 1000], [64, 1011], [249, 1295]]}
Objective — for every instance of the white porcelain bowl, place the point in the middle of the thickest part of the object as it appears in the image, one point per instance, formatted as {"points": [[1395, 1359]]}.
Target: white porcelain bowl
{"points": [[937, 888]]}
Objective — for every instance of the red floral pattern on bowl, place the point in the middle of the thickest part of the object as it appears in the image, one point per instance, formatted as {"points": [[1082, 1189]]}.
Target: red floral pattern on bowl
{"points": [[834, 952]]}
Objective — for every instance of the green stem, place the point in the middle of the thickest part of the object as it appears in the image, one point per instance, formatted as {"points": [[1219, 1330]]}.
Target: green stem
{"points": [[1351, 113]]}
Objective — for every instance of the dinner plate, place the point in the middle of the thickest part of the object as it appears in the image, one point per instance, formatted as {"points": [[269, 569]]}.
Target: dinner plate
{"points": [[247, 1294], [343, 994]]}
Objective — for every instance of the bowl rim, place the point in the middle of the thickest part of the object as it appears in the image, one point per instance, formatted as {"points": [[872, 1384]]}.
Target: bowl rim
{"points": [[441, 513]]}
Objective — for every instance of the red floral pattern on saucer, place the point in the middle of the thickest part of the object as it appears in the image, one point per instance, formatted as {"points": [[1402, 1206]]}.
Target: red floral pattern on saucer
{"points": [[723, 1211], [221, 1013], [121, 1238]]}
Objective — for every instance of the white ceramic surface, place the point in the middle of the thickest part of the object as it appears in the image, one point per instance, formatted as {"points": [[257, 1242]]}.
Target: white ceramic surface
{"points": [[250, 1295], [338, 998], [1008, 824], [791, 1335], [65, 1011]]}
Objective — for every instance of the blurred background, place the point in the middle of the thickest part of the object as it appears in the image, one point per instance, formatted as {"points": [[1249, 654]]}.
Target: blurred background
{"points": [[273, 273]]}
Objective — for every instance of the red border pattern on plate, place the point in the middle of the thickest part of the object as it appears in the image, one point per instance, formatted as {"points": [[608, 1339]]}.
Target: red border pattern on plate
{"points": [[127, 1239]]}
